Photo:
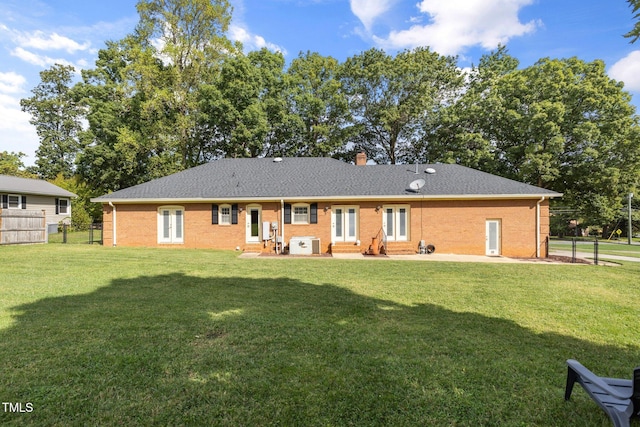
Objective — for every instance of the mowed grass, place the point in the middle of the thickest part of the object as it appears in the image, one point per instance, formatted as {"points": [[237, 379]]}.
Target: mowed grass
{"points": [[605, 247], [91, 335]]}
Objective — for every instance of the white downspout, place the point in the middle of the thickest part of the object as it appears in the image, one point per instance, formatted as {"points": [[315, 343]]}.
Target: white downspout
{"points": [[282, 226], [538, 240], [114, 222]]}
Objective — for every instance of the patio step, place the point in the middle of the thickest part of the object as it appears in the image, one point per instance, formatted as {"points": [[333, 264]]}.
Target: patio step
{"points": [[401, 248], [346, 248]]}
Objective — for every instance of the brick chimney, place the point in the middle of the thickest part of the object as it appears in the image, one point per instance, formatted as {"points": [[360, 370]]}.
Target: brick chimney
{"points": [[361, 159]]}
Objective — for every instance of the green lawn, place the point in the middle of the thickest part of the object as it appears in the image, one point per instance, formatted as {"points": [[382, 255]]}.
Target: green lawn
{"points": [[76, 237], [91, 335], [605, 247]]}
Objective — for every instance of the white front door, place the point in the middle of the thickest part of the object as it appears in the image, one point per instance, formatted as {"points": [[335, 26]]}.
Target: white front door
{"points": [[493, 237], [344, 223], [170, 225], [253, 224]]}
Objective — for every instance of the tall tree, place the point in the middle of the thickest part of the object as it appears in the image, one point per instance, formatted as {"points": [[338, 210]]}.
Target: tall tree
{"points": [[142, 96], [565, 125], [11, 164], [245, 108], [57, 118], [189, 36], [634, 34], [319, 107], [127, 141], [461, 132], [390, 97], [273, 99]]}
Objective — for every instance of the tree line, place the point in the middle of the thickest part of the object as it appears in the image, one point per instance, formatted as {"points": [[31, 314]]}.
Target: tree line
{"points": [[177, 93]]}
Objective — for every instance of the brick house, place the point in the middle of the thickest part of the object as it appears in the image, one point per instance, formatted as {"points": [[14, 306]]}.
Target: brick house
{"points": [[323, 205]]}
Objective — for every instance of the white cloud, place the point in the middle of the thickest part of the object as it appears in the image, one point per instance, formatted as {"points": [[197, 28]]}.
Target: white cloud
{"points": [[368, 10], [40, 49], [13, 117], [238, 31], [457, 24], [627, 70], [26, 42], [16, 133], [252, 41], [39, 60], [11, 82], [38, 40]]}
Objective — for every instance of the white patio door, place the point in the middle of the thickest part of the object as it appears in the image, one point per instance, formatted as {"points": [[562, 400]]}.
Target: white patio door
{"points": [[395, 222], [170, 225], [254, 214], [493, 237], [344, 223]]}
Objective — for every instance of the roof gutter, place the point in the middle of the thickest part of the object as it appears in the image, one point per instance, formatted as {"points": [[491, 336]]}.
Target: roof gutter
{"points": [[407, 197], [113, 223], [281, 228], [538, 223]]}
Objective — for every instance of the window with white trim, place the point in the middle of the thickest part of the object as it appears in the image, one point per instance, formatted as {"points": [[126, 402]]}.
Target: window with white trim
{"points": [[225, 214], [63, 206], [300, 214], [15, 201]]}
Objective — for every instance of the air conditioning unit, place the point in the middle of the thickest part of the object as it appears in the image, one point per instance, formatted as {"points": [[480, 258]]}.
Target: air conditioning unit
{"points": [[304, 245]]}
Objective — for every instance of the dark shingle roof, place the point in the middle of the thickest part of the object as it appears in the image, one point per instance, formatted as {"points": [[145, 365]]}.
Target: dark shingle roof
{"points": [[264, 178], [14, 184]]}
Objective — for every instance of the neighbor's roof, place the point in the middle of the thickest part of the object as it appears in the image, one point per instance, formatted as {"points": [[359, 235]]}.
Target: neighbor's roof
{"points": [[321, 178], [17, 185]]}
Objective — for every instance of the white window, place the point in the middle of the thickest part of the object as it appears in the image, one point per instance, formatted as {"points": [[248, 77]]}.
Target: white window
{"points": [[300, 214], [395, 222], [171, 224], [15, 201], [63, 206], [225, 214]]}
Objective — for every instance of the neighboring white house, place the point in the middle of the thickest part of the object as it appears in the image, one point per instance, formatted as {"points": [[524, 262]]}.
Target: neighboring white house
{"points": [[36, 195]]}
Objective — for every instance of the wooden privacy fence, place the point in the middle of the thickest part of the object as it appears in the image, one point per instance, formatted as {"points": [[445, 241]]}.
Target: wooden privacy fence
{"points": [[22, 226]]}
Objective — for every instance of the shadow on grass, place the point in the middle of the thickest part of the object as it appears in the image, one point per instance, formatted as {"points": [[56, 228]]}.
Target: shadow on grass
{"points": [[182, 350]]}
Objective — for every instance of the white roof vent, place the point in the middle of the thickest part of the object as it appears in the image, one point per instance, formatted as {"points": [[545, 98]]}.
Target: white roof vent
{"points": [[277, 159], [430, 171]]}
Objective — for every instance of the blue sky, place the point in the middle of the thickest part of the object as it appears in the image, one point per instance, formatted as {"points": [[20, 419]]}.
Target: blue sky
{"points": [[35, 34]]}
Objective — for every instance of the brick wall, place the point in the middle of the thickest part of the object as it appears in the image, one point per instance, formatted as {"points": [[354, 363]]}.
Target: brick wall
{"points": [[454, 226], [460, 226]]}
